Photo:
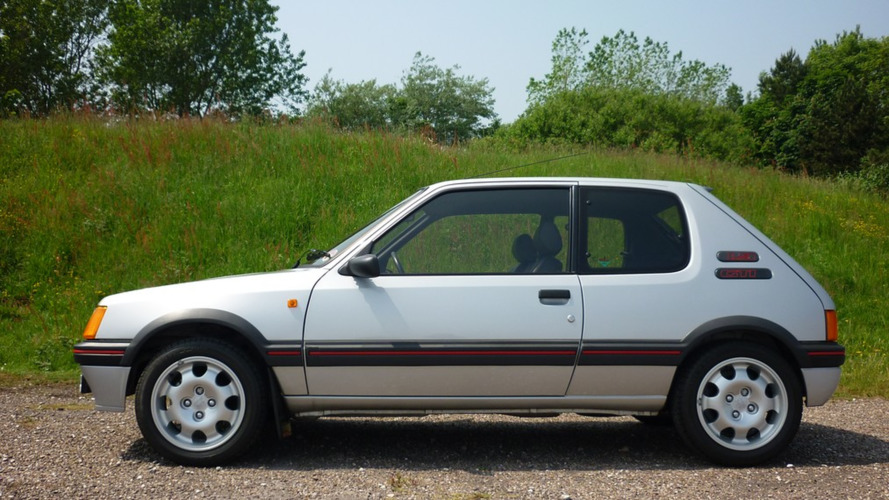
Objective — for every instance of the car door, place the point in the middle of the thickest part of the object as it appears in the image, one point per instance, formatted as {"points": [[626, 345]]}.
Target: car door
{"points": [[459, 308], [638, 293]]}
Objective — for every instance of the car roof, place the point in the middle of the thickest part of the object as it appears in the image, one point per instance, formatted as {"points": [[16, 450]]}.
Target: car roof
{"points": [[582, 181]]}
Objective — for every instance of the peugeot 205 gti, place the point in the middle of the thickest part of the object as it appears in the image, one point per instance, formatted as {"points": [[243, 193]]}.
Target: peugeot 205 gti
{"points": [[519, 296]]}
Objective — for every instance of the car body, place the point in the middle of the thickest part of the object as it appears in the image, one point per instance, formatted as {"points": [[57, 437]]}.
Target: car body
{"points": [[519, 296]]}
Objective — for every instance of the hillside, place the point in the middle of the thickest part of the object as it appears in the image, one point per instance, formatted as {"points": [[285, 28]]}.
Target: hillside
{"points": [[89, 208]]}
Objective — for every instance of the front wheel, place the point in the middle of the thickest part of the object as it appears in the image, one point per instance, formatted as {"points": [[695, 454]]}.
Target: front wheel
{"points": [[201, 402], [739, 404]]}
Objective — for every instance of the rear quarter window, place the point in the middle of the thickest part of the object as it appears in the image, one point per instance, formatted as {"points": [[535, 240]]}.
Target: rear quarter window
{"points": [[631, 231]]}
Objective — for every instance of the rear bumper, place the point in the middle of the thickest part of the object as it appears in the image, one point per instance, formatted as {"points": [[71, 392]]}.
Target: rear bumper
{"points": [[820, 354], [820, 384]]}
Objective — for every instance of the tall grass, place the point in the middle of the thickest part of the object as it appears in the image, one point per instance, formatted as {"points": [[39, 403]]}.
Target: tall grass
{"points": [[89, 208]]}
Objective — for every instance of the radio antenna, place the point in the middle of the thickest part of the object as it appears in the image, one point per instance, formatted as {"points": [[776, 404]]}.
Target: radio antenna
{"points": [[528, 165]]}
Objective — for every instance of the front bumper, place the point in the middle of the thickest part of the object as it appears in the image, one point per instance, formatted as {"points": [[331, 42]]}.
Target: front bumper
{"points": [[108, 385], [102, 373]]}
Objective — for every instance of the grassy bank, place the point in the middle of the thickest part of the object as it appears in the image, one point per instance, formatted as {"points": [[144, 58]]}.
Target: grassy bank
{"points": [[89, 208]]}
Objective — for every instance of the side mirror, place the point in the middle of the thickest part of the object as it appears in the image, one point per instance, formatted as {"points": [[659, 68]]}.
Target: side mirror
{"points": [[362, 266]]}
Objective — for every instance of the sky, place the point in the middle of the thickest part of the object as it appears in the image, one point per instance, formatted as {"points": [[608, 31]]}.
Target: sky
{"points": [[510, 41]]}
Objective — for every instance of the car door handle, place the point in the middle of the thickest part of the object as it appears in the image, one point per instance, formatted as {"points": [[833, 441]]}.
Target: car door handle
{"points": [[554, 297]]}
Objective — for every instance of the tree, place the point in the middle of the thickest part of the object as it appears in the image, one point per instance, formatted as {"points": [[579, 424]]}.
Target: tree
{"points": [[568, 66], [828, 114], [784, 79], [632, 118], [455, 107], [197, 56], [633, 95], [45, 49], [734, 97], [352, 105], [847, 92], [430, 100], [775, 115], [621, 62]]}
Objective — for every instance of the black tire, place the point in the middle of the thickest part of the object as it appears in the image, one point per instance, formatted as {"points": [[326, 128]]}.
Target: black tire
{"points": [[201, 402], [659, 420], [739, 404]]}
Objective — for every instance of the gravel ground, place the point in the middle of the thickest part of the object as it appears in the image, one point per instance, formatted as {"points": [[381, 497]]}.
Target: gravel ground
{"points": [[54, 445]]}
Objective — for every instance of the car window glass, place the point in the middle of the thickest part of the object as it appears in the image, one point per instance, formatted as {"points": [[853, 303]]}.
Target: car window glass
{"points": [[605, 243], [672, 219], [476, 232], [632, 231]]}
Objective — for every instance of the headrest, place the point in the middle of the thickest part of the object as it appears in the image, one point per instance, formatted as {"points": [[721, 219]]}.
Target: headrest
{"points": [[547, 239], [523, 249]]}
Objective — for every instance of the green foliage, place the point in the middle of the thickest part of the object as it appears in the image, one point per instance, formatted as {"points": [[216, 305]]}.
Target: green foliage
{"points": [[784, 79], [632, 118], [873, 174], [45, 48], [568, 65], [196, 57], [621, 62], [825, 114], [433, 101], [353, 106], [734, 97], [630, 95], [455, 107], [89, 208]]}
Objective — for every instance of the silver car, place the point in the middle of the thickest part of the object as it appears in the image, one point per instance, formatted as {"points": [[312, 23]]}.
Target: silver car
{"points": [[519, 296]]}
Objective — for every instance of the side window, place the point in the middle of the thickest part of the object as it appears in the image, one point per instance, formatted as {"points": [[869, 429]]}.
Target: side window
{"points": [[632, 231], [672, 218], [481, 232], [605, 243]]}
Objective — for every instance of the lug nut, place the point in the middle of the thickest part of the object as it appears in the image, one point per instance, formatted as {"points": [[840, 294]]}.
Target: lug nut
{"points": [[199, 415], [199, 391], [745, 392], [735, 414], [211, 403], [751, 408], [729, 398], [186, 403]]}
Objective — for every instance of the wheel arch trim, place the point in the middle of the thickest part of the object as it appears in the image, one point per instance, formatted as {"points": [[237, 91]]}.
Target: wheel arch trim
{"points": [[805, 354], [738, 324], [214, 317], [805, 357]]}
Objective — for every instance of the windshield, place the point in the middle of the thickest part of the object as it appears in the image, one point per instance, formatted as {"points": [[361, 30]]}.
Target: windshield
{"points": [[348, 242]]}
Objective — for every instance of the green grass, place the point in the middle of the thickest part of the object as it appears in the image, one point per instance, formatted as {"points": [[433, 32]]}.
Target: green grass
{"points": [[89, 208]]}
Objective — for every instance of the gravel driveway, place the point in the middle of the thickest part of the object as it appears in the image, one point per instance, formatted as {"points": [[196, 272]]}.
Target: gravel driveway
{"points": [[53, 445]]}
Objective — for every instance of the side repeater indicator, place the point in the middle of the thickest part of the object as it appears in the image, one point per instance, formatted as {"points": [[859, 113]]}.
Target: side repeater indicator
{"points": [[743, 273], [92, 327], [733, 256], [292, 303]]}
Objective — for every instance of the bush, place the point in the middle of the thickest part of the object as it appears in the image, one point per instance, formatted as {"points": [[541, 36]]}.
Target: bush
{"points": [[873, 174], [628, 118]]}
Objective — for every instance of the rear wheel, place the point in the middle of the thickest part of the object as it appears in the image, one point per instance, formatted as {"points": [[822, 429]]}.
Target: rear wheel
{"points": [[201, 402], [661, 419], [739, 404]]}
